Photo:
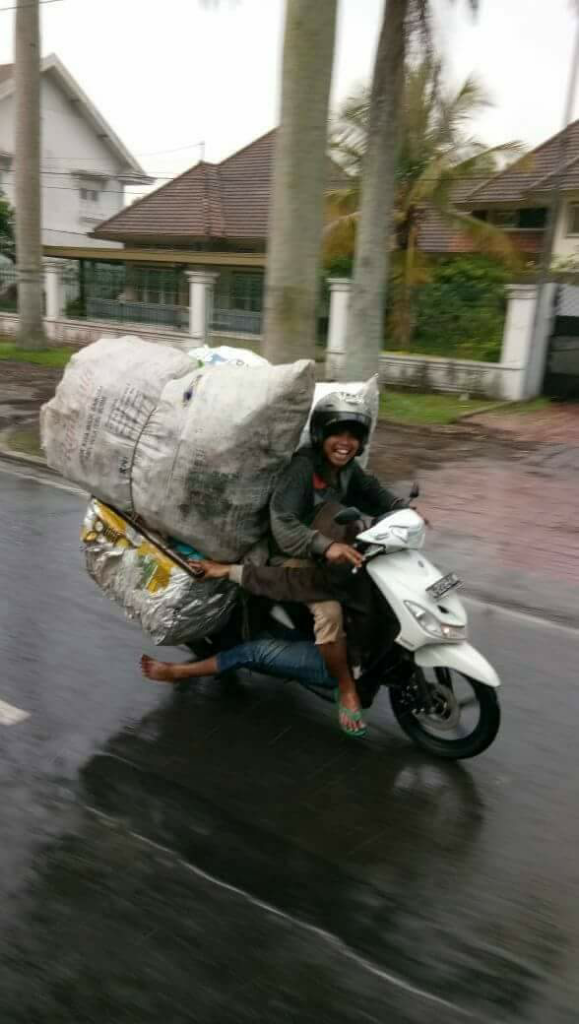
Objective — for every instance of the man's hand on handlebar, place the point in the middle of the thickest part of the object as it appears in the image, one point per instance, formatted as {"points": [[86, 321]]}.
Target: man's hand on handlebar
{"points": [[343, 554]]}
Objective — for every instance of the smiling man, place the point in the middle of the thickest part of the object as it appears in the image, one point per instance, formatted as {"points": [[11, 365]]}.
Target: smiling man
{"points": [[325, 474]]}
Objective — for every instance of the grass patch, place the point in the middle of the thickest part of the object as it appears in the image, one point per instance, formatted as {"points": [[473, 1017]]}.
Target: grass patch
{"points": [[58, 357], [408, 407], [522, 408]]}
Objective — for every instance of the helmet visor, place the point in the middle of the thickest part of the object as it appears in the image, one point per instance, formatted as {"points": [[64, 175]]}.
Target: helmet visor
{"points": [[358, 428]]}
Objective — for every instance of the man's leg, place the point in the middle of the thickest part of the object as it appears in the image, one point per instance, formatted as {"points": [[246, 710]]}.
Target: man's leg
{"points": [[331, 643], [173, 672], [284, 659]]}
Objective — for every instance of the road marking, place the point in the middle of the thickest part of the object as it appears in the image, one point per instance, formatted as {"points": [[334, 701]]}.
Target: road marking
{"points": [[327, 937], [10, 715]]}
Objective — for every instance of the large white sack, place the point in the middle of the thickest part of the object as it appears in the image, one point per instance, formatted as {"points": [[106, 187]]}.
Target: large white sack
{"points": [[109, 390], [371, 392], [209, 457]]}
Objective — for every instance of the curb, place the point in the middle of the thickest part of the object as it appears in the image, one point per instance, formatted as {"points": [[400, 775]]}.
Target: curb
{"points": [[483, 412], [19, 458]]}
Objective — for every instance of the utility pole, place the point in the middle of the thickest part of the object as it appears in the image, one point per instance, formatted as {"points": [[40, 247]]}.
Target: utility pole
{"points": [[27, 175], [556, 204]]}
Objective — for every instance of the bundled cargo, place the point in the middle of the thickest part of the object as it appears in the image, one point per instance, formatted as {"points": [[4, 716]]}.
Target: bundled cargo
{"points": [[211, 452], [195, 453], [149, 582], [192, 446]]}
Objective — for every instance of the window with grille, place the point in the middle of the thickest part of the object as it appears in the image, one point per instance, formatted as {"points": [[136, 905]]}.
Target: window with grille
{"points": [[247, 292], [156, 285]]}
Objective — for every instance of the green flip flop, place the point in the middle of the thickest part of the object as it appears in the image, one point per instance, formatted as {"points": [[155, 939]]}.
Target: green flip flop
{"points": [[352, 716]]}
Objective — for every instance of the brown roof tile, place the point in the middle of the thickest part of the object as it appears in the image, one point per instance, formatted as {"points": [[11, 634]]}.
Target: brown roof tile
{"points": [[229, 201], [436, 235], [566, 179], [514, 183]]}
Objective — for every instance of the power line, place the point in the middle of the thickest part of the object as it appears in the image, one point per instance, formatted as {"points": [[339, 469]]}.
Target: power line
{"points": [[65, 174], [16, 6]]}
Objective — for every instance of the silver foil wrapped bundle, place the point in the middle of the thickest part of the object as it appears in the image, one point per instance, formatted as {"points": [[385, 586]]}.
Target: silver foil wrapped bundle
{"points": [[152, 585]]}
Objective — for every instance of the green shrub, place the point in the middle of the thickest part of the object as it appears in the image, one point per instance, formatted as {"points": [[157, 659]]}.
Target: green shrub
{"points": [[460, 311]]}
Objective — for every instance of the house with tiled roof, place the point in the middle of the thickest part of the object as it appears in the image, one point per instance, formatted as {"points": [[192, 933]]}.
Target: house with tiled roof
{"points": [[517, 200], [214, 217], [85, 165], [210, 209], [226, 205]]}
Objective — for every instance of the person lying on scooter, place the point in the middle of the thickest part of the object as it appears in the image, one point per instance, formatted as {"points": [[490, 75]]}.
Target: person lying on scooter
{"points": [[327, 471], [286, 659]]}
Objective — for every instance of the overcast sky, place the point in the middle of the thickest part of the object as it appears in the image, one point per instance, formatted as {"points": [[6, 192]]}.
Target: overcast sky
{"points": [[169, 73]]}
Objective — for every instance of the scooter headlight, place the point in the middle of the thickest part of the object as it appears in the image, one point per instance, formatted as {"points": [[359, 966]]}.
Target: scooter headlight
{"points": [[433, 626]]}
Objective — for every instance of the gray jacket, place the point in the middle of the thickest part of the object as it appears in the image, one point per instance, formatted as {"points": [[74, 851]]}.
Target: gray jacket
{"points": [[301, 492]]}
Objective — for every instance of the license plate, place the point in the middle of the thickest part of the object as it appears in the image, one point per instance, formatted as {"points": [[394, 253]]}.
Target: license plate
{"points": [[443, 585]]}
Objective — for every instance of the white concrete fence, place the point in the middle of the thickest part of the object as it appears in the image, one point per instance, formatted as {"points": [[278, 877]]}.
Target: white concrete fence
{"points": [[518, 375]]}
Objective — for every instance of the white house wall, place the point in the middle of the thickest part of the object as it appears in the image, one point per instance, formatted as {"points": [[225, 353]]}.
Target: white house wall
{"points": [[69, 145]]}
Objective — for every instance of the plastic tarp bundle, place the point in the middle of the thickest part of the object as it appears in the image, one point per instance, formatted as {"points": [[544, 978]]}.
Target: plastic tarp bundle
{"points": [[139, 574], [193, 452]]}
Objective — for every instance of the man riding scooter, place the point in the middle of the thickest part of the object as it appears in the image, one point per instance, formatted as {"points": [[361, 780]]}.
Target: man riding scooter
{"points": [[317, 478], [327, 471]]}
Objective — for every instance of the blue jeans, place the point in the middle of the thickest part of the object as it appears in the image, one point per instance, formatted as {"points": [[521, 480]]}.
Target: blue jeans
{"points": [[297, 659]]}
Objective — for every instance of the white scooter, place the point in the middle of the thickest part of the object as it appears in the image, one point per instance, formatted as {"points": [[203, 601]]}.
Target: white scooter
{"points": [[445, 697], [443, 692]]}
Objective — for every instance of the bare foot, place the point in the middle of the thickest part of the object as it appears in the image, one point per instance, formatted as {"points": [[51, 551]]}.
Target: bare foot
{"points": [[160, 671], [350, 715]]}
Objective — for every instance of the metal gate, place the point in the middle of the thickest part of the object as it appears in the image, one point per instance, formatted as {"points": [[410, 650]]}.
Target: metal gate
{"points": [[562, 370]]}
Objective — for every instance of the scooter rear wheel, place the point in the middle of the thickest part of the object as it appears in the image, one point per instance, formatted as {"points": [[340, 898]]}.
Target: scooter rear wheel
{"points": [[462, 722]]}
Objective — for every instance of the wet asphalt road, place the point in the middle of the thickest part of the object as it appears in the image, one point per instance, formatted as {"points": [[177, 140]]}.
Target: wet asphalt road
{"points": [[226, 856]]}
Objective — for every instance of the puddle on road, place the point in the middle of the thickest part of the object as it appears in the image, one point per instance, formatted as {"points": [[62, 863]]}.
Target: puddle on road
{"points": [[24, 439]]}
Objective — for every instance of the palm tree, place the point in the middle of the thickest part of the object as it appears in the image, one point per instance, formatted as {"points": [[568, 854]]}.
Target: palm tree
{"points": [[27, 175], [436, 153], [296, 213], [401, 20]]}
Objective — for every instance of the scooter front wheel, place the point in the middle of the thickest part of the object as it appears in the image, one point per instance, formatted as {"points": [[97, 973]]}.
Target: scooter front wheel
{"points": [[461, 717]]}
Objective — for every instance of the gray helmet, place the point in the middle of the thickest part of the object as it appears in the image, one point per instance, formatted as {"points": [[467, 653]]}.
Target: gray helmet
{"points": [[341, 409]]}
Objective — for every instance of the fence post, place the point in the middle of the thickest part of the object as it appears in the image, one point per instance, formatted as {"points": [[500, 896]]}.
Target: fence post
{"points": [[525, 365], [340, 288], [201, 284], [53, 283]]}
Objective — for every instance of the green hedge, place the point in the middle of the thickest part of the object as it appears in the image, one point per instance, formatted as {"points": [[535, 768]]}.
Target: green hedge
{"points": [[460, 311]]}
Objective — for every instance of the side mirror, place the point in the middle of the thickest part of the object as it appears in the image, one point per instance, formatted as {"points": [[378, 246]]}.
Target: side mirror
{"points": [[347, 515], [414, 491]]}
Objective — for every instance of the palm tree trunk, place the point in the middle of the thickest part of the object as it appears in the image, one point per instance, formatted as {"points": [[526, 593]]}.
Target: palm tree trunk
{"points": [[296, 214], [27, 175], [374, 238]]}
